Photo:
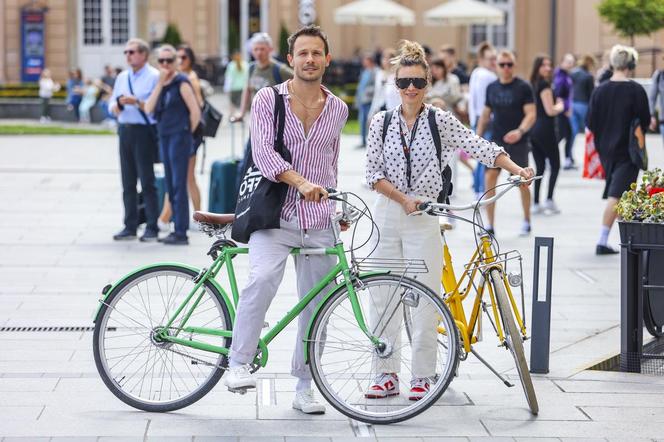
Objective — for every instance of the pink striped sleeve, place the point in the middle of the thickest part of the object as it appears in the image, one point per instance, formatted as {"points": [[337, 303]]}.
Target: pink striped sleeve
{"points": [[269, 161]]}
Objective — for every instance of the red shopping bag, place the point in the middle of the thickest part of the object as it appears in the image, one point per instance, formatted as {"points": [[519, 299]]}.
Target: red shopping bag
{"points": [[592, 166]]}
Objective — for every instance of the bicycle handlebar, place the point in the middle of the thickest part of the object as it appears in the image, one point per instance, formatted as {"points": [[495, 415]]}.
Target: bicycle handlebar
{"points": [[515, 181]]}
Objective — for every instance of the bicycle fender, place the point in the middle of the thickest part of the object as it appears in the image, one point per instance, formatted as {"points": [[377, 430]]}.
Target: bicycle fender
{"points": [[110, 288], [324, 300]]}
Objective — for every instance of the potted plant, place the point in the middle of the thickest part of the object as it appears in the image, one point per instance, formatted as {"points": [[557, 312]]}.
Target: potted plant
{"points": [[641, 211]]}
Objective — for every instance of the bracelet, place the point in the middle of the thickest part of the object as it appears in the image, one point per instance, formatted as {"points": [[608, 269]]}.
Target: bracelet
{"points": [[389, 195]]}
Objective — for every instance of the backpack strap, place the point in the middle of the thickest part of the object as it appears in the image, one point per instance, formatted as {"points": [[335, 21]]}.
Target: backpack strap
{"points": [[276, 72], [386, 123], [444, 196], [252, 68]]}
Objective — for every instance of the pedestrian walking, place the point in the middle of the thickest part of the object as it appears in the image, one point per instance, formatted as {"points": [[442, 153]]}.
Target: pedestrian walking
{"points": [[614, 105], [445, 85], [562, 88], [448, 52], [47, 87], [75, 89], [385, 93], [657, 93], [265, 71], [543, 134], [480, 79], [405, 168], [365, 93], [304, 222], [178, 113], [138, 139], [509, 100], [186, 60], [235, 78], [583, 84]]}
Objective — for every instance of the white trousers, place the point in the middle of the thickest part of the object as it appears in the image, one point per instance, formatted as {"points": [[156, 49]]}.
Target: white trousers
{"points": [[410, 237], [268, 253]]}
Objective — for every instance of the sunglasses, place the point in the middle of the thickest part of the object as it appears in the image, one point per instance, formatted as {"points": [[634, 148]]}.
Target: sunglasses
{"points": [[506, 65], [418, 82], [165, 60], [129, 52], [182, 57]]}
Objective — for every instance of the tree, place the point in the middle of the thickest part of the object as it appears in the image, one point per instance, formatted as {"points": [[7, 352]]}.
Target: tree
{"points": [[633, 17], [172, 36]]}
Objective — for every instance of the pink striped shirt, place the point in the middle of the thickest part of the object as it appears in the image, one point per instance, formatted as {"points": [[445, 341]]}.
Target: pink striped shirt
{"points": [[315, 157]]}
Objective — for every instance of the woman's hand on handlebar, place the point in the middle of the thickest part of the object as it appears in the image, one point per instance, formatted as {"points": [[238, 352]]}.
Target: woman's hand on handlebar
{"points": [[410, 205], [527, 174]]}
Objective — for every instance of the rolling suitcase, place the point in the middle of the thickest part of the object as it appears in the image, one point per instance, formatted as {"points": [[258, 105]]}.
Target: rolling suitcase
{"points": [[223, 182]]}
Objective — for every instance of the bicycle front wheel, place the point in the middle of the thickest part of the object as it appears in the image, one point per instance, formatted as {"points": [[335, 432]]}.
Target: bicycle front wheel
{"points": [[140, 369], [405, 316], [513, 339]]}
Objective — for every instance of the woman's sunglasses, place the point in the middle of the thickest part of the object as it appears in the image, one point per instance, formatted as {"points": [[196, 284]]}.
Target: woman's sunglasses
{"points": [[165, 60], [418, 82]]}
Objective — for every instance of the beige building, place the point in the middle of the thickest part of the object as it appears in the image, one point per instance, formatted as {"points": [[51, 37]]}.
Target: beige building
{"points": [[91, 33]]}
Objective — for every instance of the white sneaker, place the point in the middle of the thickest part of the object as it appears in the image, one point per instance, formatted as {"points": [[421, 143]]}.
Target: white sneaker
{"points": [[237, 378], [163, 227], [525, 229], [537, 209], [306, 403], [551, 207]]}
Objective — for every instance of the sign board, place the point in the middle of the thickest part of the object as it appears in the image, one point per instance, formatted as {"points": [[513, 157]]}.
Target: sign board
{"points": [[32, 44]]}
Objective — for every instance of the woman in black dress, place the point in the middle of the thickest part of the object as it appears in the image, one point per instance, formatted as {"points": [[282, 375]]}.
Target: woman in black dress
{"points": [[614, 105], [543, 133]]}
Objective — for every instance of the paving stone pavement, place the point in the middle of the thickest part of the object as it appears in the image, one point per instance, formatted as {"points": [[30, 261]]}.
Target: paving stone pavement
{"points": [[62, 204]]}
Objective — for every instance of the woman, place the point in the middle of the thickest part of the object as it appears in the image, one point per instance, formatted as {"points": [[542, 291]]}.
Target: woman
{"points": [[543, 134], [613, 106], [445, 85], [235, 79], [47, 87], [75, 91], [177, 111], [409, 147], [385, 96], [186, 62]]}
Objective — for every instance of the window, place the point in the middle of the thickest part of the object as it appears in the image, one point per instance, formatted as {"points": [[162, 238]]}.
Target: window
{"points": [[501, 36], [119, 21], [92, 23]]}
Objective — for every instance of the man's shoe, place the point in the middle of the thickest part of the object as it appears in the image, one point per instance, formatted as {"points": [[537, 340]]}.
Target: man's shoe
{"points": [[605, 250], [149, 236], [385, 384], [174, 240], [307, 403], [419, 387], [124, 235], [239, 378]]}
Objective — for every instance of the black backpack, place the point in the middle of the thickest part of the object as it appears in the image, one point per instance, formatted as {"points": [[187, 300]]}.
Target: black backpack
{"points": [[446, 192]]}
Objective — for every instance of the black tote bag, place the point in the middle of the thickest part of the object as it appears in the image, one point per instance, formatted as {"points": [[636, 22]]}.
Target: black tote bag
{"points": [[637, 145], [260, 200]]}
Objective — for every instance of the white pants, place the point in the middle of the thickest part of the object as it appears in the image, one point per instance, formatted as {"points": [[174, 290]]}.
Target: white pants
{"points": [[410, 237], [268, 252]]}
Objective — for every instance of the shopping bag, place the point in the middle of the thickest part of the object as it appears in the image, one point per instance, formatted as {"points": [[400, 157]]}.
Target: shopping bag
{"points": [[592, 166]]}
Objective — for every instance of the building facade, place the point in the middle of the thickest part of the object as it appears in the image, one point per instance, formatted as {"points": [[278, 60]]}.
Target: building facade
{"points": [[91, 33]]}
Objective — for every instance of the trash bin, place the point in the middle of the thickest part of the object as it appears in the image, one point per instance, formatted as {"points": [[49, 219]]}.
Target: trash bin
{"points": [[641, 291]]}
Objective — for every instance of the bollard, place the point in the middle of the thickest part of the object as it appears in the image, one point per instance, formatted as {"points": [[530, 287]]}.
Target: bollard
{"points": [[541, 317]]}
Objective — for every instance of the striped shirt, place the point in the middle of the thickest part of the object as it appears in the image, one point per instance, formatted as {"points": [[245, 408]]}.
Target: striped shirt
{"points": [[315, 156]]}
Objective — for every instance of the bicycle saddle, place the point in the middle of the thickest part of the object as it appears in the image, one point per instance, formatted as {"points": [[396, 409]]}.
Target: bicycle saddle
{"points": [[221, 219]]}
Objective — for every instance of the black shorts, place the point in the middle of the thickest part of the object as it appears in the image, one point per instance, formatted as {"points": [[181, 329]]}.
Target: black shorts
{"points": [[518, 152], [621, 177]]}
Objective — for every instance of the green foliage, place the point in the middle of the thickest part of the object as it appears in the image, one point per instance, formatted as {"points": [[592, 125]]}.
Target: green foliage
{"points": [[172, 36], [27, 90], [18, 129], [283, 40], [633, 17], [233, 37], [638, 205]]}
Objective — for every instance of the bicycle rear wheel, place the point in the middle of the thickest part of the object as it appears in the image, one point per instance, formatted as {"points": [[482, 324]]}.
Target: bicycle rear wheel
{"points": [[137, 367], [405, 315], [513, 339]]}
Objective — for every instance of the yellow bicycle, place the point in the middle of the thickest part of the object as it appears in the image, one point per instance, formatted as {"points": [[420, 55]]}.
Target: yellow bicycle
{"points": [[487, 272]]}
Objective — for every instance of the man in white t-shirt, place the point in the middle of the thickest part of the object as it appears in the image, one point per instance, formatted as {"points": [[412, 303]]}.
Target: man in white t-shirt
{"points": [[483, 75]]}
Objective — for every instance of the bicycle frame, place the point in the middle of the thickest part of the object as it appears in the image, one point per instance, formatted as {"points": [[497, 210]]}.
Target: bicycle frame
{"points": [[482, 261]]}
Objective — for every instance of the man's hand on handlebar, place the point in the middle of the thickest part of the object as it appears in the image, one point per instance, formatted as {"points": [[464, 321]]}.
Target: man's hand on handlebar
{"points": [[312, 192]]}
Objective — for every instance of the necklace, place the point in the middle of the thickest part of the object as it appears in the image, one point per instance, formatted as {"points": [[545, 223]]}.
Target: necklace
{"points": [[318, 106]]}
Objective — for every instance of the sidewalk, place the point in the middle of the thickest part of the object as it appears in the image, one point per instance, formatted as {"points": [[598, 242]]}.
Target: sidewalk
{"points": [[63, 205]]}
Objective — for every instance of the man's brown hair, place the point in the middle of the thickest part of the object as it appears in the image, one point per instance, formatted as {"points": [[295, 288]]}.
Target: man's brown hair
{"points": [[310, 31]]}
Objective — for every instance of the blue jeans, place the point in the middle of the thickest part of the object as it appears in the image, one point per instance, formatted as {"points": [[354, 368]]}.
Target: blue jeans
{"points": [[579, 111], [363, 116], [175, 150], [480, 169]]}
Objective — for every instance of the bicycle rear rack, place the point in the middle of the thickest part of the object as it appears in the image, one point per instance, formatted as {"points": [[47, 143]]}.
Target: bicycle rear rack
{"points": [[393, 265]]}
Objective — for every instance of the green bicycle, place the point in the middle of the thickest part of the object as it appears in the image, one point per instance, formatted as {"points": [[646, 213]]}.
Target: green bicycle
{"points": [[163, 332]]}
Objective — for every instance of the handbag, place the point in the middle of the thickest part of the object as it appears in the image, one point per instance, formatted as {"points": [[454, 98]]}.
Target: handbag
{"points": [[592, 166], [637, 145], [260, 200], [210, 120]]}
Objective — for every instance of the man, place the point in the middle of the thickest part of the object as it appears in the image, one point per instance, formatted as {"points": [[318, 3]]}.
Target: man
{"points": [[562, 88], [480, 79], [265, 71], [306, 223], [657, 90], [454, 66], [510, 101], [583, 84], [138, 141], [364, 94]]}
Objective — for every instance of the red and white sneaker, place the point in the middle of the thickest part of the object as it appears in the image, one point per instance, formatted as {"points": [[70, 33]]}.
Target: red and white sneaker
{"points": [[419, 387], [385, 384]]}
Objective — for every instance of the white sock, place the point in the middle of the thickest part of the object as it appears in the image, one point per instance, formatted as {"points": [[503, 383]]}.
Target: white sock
{"points": [[232, 363], [603, 236], [303, 384]]}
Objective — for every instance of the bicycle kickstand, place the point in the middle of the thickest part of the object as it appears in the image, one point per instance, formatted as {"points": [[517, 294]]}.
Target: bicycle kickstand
{"points": [[493, 370]]}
